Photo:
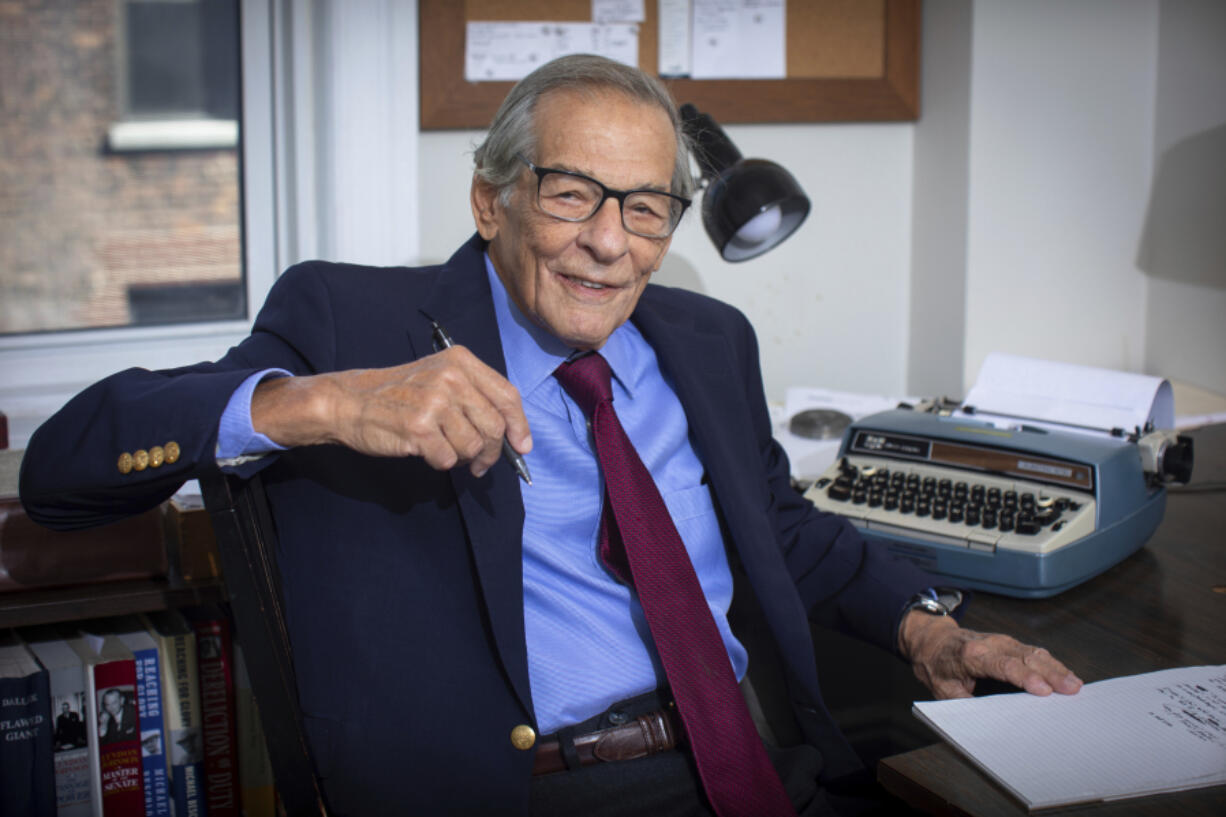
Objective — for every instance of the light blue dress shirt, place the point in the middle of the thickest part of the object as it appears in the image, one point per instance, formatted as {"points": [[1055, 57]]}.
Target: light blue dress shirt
{"points": [[588, 643]]}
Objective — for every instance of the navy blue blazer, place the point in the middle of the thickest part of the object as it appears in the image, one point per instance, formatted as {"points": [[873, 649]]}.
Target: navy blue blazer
{"points": [[403, 584]]}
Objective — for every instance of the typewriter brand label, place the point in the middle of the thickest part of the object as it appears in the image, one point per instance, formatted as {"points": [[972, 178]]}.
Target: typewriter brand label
{"points": [[1044, 468], [892, 444]]}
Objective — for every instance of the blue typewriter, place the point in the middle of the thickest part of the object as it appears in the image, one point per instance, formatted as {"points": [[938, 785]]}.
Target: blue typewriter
{"points": [[1026, 512]]}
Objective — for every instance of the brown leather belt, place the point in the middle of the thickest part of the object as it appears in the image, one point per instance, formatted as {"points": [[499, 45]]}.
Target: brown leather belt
{"points": [[645, 735]]}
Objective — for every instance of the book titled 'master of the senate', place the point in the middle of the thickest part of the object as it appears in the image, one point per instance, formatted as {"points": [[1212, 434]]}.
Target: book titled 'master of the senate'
{"points": [[111, 683]]}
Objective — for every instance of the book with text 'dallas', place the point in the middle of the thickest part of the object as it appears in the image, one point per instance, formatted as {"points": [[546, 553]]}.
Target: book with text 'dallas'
{"points": [[1126, 737], [27, 777]]}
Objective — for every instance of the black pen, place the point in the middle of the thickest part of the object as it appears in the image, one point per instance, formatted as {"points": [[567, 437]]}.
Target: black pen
{"points": [[443, 341]]}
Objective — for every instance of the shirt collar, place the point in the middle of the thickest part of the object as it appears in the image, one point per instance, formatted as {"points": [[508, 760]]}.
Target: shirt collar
{"points": [[532, 352]]}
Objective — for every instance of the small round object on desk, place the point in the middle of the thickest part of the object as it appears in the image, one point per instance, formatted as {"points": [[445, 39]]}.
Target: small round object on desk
{"points": [[819, 424]]}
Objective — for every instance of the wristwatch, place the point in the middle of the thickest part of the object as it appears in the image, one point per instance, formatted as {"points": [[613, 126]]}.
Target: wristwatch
{"points": [[935, 601]]}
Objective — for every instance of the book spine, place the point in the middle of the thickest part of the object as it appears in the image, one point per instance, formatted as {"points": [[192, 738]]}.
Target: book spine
{"points": [[152, 733], [118, 738], [72, 766], [217, 717], [91, 730], [27, 777], [182, 706]]}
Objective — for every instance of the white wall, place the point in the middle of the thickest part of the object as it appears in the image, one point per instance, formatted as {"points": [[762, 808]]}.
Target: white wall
{"points": [[1061, 127], [936, 342], [1184, 250]]}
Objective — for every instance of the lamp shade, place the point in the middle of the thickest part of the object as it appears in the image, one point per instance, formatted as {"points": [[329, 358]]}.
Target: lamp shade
{"points": [[749, 205]]}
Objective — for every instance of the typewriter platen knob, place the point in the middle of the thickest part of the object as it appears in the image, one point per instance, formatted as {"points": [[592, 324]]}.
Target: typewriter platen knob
{"points": [[1166, 456]]}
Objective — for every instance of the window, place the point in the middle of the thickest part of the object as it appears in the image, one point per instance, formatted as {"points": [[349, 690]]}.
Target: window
{"points": [[127, 255], [102, 226]]}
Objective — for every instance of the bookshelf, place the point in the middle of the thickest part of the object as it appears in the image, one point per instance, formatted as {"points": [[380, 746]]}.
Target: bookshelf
{"points": [[165, 558], [27, 608]]}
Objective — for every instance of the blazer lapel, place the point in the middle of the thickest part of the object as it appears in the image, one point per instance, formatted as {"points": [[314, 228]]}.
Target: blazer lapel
{"points": [[491, 506], [696, 358]]}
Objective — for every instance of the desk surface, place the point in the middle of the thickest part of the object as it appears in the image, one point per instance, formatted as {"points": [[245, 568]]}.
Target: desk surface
{"points": [[1163, 607]]}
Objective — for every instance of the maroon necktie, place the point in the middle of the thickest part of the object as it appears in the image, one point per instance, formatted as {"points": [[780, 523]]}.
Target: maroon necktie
{"points": [[736, 773]]}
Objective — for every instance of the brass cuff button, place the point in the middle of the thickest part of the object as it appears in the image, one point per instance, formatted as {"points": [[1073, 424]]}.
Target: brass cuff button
{"points": [[140, 459], [125, 463], [156, 456], [171, 452], [523, 737]]}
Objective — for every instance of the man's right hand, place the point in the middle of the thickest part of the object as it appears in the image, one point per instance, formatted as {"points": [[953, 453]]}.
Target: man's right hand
{"points": [[448, 408]]}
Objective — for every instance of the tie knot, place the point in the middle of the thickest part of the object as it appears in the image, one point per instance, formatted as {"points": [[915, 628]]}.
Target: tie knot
{"points": [[588, 380]]}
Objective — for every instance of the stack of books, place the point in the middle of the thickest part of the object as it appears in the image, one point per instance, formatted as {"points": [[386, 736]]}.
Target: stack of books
{"points": [[137, 715]]}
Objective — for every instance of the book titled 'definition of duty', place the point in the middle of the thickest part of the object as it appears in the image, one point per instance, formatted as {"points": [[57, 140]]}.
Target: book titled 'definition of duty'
{"points": [[1126, 737]]}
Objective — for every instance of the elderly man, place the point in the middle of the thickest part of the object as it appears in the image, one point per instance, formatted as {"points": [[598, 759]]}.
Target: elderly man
{"points": [[589, 643]]}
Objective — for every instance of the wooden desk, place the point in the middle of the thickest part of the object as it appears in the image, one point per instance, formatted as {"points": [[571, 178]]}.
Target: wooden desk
{"points": [[1163, 607]]}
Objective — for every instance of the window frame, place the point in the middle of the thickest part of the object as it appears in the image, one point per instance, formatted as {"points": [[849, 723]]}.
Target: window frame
{"points": [[40, 371]]}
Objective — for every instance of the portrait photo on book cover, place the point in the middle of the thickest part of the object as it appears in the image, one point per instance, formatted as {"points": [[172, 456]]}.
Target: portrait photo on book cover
{"points": [[209, 647], [150, 743], [70, 730], [117, 714], [186, 746]]}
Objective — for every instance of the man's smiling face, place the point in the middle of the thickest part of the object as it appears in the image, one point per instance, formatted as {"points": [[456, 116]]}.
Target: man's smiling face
{"points": [[581, 280]]}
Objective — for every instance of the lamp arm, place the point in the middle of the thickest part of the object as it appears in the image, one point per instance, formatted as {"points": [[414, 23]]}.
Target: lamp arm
{"points": [[713, 150]]}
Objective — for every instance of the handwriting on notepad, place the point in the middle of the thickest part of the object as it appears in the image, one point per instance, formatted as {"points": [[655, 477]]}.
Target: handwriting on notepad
{"points": [[1199, 708]]}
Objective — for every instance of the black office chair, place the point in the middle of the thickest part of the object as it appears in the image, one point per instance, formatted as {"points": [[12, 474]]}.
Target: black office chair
{"points": [[247, 543]]}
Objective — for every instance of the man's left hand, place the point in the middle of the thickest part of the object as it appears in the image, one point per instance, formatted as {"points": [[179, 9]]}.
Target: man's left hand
{"points": [[948, 659]]}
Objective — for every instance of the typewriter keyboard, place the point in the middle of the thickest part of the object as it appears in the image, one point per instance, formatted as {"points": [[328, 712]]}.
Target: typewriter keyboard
{"points": [[953, 507]]}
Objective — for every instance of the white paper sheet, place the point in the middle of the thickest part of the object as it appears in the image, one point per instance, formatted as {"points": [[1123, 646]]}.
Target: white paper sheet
{"points": [[1012, 389], [739, 39], [1141, 734], [674, 48], [501, 52], [618, 11]]}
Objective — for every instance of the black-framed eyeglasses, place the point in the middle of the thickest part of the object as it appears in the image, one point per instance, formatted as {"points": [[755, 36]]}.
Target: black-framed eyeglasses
{"points": [[572, 196]]}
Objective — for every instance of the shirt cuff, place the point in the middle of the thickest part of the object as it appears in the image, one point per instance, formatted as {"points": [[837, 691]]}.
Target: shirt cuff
{"points": [[237, 441]]}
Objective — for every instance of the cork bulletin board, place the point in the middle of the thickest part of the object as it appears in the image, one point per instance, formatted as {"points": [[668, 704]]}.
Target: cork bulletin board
{"points": [[847, 61]]}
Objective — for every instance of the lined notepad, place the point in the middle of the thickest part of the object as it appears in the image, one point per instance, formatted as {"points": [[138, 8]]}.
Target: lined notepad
{"points": [[1142, 734]]}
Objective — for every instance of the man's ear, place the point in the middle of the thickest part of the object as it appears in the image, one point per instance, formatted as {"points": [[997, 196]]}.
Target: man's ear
{"points": [[486, 207]]}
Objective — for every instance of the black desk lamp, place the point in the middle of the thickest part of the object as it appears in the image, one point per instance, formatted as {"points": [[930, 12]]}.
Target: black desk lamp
{"points": [[750, 205]]}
